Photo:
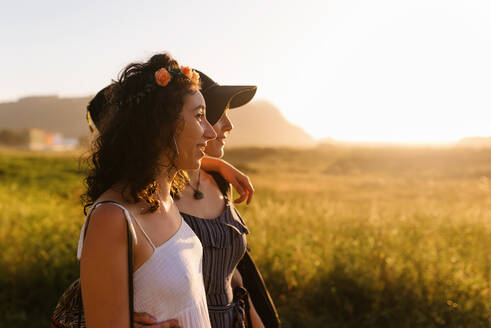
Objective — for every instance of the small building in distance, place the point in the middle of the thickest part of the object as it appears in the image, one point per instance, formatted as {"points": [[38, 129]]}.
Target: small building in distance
{"points": [[39, 139]]}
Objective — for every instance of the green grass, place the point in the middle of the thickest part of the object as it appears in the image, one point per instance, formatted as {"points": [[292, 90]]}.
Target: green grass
{"points": [[40, 216], [344, 237]]}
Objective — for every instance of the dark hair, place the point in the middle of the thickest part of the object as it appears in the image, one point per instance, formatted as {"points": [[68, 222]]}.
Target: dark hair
{"points": [[137, 131]]}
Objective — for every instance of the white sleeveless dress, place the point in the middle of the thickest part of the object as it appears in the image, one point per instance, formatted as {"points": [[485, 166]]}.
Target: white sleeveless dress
{"points": [[169, 285]]}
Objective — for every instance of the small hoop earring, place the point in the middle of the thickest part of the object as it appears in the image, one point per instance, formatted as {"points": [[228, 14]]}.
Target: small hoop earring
{"points": [[175, 144]]}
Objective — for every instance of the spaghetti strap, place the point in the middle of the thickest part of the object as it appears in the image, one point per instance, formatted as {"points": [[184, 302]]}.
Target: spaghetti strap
{"points": [[142, 230], [127, 216]]}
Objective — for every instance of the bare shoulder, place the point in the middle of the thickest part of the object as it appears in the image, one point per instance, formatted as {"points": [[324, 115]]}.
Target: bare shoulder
{"points": [[106, 229], [107, 216]]}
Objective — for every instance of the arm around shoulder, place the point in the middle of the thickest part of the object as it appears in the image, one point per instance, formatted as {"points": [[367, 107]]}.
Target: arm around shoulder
{"points": [[104, 269], [231, 174]]}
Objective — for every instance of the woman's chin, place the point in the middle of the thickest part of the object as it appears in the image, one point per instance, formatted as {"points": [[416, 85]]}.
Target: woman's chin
{"points": [[218, 153]]}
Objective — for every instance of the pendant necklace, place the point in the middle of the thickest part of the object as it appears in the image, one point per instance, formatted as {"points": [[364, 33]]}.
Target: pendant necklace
{"points": [[198, 194]]}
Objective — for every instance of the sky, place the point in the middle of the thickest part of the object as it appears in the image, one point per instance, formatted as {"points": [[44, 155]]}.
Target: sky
{"points": [[414, 71]]}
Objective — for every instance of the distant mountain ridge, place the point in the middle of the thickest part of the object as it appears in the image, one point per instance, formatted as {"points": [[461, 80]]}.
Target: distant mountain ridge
{"points": [[258, 123], [64, 115]]}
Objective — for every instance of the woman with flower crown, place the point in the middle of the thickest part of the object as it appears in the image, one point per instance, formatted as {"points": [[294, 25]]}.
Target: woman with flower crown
{"points": [[156, 126]]}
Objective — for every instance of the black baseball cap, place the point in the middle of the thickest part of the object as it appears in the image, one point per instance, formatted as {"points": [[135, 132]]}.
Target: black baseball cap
{"points": [[217, 98], [97, 107]]}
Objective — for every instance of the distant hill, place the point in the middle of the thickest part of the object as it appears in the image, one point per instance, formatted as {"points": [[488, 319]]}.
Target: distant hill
{"points": [[256, 124], [259, 123], [65, 115]]}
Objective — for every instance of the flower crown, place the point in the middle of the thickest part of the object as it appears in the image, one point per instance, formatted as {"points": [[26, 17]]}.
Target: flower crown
{"points": [[162, 78]]}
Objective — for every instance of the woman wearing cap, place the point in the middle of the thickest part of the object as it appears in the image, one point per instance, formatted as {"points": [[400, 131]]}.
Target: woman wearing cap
{"points": [[205, 205], [157, 126]]}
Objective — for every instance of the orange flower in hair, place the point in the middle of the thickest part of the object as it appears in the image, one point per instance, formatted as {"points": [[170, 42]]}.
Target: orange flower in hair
{"points": [[195, 77], [187, 71], [162, 77]]}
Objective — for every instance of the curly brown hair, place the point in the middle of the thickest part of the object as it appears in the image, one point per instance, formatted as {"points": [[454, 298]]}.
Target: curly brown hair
{"points": [[137, 130]]}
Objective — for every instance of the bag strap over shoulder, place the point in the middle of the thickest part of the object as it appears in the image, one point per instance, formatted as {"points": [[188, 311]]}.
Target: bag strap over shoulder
{"points": [[130, 272], [86, 224], [127, 215]]}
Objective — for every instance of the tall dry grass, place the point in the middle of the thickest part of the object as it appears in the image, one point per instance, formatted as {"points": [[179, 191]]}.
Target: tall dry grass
{"points": [[345, 237]]}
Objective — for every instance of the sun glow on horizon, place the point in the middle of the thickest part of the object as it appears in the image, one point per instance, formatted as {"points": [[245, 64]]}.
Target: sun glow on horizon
{"points": [[385, 71], [376, 71]]}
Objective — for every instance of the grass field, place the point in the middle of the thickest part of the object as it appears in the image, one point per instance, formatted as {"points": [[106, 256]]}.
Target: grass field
{"points": [[344, 237]]}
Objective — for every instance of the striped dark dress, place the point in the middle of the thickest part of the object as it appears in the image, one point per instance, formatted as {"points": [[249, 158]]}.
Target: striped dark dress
{"points": [[224, 243]]}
